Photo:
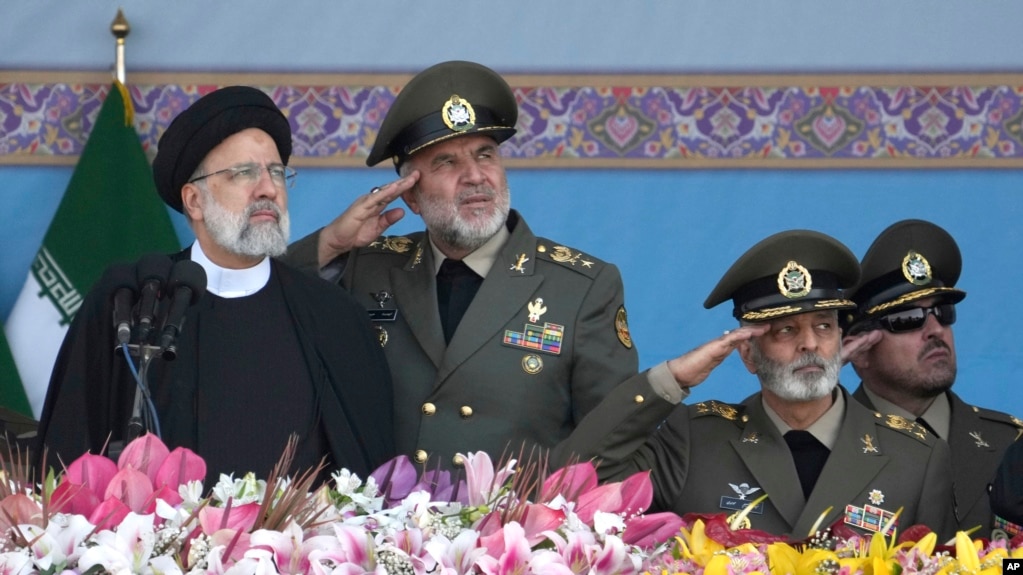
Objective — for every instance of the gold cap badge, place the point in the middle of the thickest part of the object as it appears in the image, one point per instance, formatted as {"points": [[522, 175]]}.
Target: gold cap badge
{"points": [[458, 114], [916, 268], [794, 281]]}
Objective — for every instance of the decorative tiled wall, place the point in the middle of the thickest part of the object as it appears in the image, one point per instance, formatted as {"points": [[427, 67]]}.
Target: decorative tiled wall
{"points": [[591, 121]]}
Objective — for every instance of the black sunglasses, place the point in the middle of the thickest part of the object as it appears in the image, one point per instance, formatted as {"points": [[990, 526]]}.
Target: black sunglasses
{"points": [[912, 319]]}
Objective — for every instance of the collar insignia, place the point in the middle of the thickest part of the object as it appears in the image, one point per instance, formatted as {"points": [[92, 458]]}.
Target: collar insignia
{"points": [[519, 262], [458, 114], [916, 268], [794, 281], [868, 444], [980, 440]]}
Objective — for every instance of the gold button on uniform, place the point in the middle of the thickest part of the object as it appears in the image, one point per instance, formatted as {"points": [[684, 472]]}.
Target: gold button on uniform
{"points": [[420, 456], [429, 409], [638, 399], [466, 412], [458, 460]]}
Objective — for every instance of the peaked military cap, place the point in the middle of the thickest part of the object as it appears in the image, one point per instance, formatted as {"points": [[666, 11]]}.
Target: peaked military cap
{"points": [[790, 272], [444, 101], [204, 125], [910, 260]]}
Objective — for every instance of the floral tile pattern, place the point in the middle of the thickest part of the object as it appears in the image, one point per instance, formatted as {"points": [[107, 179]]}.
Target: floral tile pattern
{"points": [[642, 126]]}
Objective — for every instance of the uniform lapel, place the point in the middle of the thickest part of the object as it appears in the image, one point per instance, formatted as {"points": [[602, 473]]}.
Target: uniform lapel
{"points": [[503, 294], [417, 300], [851, 465], [769, 461]]}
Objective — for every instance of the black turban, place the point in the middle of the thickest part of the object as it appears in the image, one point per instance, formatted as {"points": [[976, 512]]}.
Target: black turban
{"points": [[204, 125]]}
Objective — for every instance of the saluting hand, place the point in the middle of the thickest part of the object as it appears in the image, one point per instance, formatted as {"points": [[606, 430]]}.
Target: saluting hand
{"points": [[693, 367], [365, 220], [852, 345]]}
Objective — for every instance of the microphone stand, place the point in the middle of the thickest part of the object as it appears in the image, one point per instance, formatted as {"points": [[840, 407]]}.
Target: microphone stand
{"points": [[145, 353]]}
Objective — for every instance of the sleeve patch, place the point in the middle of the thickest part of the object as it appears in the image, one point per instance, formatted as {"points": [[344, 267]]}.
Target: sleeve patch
{"points": [[622, 327]]}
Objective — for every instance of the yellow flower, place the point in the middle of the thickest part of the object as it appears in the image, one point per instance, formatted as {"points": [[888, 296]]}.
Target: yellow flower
{"points": [[695, 545], [968, 560]]}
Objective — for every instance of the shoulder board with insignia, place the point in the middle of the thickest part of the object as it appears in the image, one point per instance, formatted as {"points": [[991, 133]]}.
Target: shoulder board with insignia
{"points": [[570, 258], [394, 244], [907, 427], [716, 408], [999, 416]]}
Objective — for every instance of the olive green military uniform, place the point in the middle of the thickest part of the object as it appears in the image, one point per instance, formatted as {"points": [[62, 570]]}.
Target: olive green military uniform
{"points": [[977, 440], [505, 378], [913, 260], [714, 457]]}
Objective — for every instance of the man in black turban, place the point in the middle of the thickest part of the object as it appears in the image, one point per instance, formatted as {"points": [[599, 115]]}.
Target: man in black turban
{"points": [[261, 351]]}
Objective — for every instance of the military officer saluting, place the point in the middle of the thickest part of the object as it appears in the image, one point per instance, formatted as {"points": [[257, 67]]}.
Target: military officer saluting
{"points": [[907, 293], [801, 441], [497, 339]]}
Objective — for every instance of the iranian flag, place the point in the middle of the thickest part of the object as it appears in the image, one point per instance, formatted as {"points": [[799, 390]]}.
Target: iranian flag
{"points": [[110, 213]]}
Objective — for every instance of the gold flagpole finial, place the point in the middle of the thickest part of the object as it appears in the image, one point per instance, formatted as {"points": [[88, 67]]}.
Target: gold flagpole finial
{"points": [[120, 29]]}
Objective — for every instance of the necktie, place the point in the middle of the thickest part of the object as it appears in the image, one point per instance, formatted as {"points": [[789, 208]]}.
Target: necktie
{"points": [[809, 455], [456, 286], [926, 426]]}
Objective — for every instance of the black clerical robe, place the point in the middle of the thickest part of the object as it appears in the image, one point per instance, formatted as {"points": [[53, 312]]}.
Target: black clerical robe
{"points": [[344, 378]]}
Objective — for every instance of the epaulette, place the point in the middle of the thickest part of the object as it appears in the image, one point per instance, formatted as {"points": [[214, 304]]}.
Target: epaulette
{"points": [[905, 426], [722, 410], [568, 257], [999, 416], [393, 244]]}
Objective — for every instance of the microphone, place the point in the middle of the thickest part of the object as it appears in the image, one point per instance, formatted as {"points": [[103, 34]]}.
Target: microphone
{"points": [[122, 278], [151, 273], [187, 284]]}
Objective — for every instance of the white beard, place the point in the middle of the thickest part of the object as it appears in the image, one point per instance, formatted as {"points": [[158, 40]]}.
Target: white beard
{"points": [[781, 380], [235, 233], [447, 225]]}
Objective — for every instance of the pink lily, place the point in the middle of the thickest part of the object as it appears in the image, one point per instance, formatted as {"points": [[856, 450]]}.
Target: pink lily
{"points": [[507, 551], [582, 553], [456, 557], [482, 481], [237, 542], [355, 548], [286, 547], [515, 557]]}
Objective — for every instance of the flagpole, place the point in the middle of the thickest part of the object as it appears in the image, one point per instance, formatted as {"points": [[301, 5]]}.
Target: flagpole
{"points": [[120, 29]]}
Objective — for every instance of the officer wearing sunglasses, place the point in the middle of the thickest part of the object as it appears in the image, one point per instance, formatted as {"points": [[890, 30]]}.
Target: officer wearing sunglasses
{"points": [[907, 292]]}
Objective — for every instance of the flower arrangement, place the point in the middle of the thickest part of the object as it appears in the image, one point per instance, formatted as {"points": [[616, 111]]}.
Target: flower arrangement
{"points": [[147, 513]]}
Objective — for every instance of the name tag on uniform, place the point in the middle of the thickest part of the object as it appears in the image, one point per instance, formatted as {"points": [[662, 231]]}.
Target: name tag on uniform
{"points": [[383, 314], [736, 504]]}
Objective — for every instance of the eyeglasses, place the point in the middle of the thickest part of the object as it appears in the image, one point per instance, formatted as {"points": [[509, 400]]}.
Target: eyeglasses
{"points": [[914, 318], [247, 175]]}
